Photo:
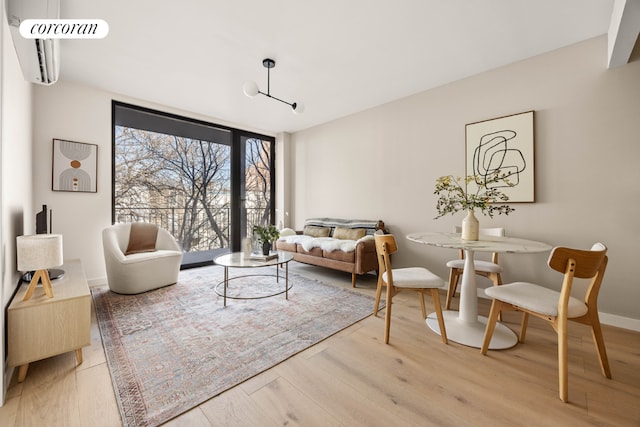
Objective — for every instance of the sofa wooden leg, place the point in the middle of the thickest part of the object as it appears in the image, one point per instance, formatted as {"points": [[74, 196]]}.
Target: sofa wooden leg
{"points": [[353, 280]]}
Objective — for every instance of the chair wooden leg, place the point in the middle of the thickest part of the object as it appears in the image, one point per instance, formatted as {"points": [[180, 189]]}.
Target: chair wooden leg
{"points": [[387, 316], [563, 374], [422, 306], [376, 305], [496, 279], [435, 296], [453, 284], [523, 326], [496, 308], [353, 280], [598, 339]]}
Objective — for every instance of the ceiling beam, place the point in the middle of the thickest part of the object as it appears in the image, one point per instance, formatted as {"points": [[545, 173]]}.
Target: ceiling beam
{"points": [[623, 31]]}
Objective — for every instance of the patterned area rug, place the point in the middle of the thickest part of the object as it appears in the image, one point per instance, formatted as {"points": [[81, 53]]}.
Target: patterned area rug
{"points": [[171, 349]]}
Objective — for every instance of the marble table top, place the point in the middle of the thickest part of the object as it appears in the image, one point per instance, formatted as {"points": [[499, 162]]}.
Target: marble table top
{"points": [[485, 244]]}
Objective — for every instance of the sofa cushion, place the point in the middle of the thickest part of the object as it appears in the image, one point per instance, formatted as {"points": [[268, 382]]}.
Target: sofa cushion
{"points": [[340, 256], [344, 233], [315, 231], [329, 244], [369, 225], [287, 232], [283, 245], [142, 238], [314, 251]]}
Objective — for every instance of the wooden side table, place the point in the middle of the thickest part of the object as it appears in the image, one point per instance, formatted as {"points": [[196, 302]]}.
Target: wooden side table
{"points": [[42, 327]]}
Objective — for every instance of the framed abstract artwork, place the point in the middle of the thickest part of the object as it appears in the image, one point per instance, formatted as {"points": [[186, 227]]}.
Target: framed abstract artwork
{"points": [[75, 166], [504, 144]]}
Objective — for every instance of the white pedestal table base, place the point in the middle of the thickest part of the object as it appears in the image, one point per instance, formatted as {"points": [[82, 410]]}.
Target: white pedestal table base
{"points": [[472, 334]]}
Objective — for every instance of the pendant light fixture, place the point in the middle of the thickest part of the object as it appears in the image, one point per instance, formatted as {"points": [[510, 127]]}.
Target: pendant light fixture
{"points": [[250, 88]]}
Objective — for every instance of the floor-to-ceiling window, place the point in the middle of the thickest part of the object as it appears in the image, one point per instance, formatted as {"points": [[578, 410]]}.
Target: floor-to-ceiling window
{"points": [[207, 184]]}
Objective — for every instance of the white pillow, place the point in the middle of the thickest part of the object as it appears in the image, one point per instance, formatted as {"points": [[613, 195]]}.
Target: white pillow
{"points": [[287, 232]]}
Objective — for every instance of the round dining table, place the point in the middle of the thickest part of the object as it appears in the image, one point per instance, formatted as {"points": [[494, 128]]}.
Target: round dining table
{"points": [[465, 326]]}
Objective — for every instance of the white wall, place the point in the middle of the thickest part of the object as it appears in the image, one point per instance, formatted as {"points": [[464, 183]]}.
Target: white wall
{"points": [[80, 114], [383, 163], [16, 209]]}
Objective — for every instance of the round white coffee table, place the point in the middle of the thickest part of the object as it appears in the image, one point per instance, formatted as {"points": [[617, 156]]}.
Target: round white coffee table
{"points": [[241, 260]]}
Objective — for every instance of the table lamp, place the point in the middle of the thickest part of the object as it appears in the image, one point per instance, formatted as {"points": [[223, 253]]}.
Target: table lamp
{"points": [[37, 253]]}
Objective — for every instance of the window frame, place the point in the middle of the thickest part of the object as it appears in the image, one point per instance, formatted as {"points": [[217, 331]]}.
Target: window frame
{"points": [[237, 138]]}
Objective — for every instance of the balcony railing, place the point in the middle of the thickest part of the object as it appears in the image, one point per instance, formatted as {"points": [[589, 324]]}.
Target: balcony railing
{"points": [[195, 231]]}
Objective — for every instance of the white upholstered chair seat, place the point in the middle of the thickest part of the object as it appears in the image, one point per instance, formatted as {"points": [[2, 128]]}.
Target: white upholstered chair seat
{"points": [[145, 256], [479, 265], [536, 298], [414, 277]]}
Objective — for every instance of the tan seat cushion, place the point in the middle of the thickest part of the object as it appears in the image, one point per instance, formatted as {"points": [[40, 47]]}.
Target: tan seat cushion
{"points": [[142, 238]]}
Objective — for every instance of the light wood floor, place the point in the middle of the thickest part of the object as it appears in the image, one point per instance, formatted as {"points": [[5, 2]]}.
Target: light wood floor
{"points": [[354, 379]]}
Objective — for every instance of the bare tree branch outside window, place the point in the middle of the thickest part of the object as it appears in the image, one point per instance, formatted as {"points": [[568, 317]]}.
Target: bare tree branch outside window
{"points": [[258, 181]]}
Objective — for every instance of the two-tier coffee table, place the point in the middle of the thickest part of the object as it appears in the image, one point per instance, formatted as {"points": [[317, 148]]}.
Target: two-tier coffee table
{"points": [[240, 260]]}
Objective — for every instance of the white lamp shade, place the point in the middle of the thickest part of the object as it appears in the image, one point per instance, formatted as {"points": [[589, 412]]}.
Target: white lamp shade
{"points": [[39, 251], [250, 89]]}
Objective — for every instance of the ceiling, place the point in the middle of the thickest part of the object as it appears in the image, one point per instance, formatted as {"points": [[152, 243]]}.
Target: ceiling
{"points": [[337, 57]]}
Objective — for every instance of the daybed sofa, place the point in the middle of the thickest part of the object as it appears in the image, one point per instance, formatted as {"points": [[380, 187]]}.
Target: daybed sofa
{"points": [[340, 244]]}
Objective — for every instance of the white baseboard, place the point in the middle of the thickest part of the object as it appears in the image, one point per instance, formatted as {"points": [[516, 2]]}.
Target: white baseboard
{"points": [[619, 321], [99, 281]]}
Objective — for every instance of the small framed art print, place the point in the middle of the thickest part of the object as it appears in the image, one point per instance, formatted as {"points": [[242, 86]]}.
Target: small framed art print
{"points": [[75, 166]]}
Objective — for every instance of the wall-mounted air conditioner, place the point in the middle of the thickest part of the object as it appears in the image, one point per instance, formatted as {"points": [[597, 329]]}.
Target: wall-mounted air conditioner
{"points": [[39, 58]]}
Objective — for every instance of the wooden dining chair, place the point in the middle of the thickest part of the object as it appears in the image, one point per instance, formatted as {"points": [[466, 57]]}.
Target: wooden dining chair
{"points": [[417, 279], [489, 269], [557, 307]]}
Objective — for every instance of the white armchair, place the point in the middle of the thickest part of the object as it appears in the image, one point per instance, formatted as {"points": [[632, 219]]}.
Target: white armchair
{"points": [[139, 272]]}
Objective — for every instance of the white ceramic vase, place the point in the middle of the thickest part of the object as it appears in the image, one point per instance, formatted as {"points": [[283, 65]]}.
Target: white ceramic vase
{"points": [[470, 226]]}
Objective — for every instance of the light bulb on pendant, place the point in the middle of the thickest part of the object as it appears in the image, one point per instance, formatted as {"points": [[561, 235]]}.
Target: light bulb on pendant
{"points": [[298, 107], [250, 89]]}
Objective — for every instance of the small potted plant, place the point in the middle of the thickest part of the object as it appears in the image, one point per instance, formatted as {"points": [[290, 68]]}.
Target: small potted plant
{"points": [[453, 197], [266, 236]]}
